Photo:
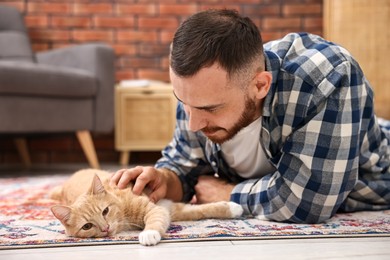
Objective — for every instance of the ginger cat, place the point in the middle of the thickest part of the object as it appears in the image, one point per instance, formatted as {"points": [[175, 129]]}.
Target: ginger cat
{"points": [[95, 209]]}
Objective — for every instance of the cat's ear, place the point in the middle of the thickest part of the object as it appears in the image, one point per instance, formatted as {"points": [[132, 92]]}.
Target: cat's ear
{"points": [[62, 213], [97, 186]]}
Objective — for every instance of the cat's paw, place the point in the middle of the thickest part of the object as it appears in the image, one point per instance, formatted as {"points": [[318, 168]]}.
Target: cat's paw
{"points": [[149, 237], [235, 209]]}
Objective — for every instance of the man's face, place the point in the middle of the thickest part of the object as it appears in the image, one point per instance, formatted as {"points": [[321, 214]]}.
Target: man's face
{"points": [[215, 105]]}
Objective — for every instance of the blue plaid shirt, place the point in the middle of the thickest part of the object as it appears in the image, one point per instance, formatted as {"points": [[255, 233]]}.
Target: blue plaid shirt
{"points": [[318, 130]]}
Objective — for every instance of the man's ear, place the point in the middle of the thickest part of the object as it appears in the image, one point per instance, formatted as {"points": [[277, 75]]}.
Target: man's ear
{"points": [[262, 83]]}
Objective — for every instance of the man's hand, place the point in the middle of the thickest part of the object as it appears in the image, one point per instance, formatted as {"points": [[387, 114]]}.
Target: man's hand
{"points": [[162, 183], [212, 189]]}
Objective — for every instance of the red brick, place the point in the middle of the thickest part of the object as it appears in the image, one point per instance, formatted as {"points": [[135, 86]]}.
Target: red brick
{"points": [[153, 50], [57, 45], [165, 1], [316, 31], [218, 5], [113, 22], [244, 1], [166, 36], [136, 36], [263, 10], [179, 9], [123, 74], [124, 49], [269, 36], [153, 74], [36, 21], [302, 9], [70, 22], [150, 9], [93, 8], [312, 22], [281, 23], [49, 35], [257, 22], [55, 8], [286, 2], [158, 22], [165, 63], [139, 62], [92, 35]]}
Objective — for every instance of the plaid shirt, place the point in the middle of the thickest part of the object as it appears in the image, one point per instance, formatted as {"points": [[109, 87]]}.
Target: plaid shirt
{"points": [[318, 130]]}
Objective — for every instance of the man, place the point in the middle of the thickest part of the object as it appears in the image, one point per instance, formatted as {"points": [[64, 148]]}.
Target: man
{"points": [[288, 131]]}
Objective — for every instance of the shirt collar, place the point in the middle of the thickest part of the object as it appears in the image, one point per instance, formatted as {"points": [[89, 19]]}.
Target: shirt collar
{"points": [[272, 64]]}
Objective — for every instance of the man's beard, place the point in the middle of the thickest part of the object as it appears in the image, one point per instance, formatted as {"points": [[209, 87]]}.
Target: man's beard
{"points": [[246, 118]]}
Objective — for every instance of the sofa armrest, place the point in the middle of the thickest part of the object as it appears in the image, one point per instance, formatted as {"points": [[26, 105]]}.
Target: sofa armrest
{"points": [[98, 59], [23, 78]]}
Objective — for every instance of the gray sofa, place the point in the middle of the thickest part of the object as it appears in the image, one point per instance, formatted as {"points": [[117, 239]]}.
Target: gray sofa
{"points": [[58, 91]]}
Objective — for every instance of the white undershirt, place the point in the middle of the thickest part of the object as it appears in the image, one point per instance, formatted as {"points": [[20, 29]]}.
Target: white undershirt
{"points": [[245, 154]]}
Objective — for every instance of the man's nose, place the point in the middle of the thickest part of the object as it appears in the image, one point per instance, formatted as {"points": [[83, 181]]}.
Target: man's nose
{"points": [[196, 121]]}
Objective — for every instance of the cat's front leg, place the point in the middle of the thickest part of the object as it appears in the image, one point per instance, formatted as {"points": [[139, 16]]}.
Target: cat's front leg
{"points": [[157, 220]]}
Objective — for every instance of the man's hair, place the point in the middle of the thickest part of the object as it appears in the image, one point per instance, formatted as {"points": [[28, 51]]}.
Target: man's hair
{"points": [[211, 36]]}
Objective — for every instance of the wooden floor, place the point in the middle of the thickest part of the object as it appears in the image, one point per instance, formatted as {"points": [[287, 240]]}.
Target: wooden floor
{"points": [[336, 248], [326, 248]]}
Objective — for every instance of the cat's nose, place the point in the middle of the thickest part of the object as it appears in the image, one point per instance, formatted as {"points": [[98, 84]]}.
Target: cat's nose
{"points": [[106, 228]]}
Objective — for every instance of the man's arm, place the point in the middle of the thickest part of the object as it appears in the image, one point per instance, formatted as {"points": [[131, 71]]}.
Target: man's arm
{"points": [[174, 188]]}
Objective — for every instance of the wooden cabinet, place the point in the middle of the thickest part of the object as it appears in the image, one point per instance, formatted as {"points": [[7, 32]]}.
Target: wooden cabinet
{"points": [[144, 118], [363, 28]]}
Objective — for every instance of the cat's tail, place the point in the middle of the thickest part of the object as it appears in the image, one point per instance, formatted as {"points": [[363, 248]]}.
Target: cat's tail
{"points": [[56, 193]]}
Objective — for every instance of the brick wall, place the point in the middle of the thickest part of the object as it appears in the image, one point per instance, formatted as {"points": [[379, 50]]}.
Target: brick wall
{"points": [[140, 32]]}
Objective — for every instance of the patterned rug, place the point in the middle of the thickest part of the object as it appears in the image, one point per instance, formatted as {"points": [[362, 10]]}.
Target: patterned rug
{"points": [[26, 221]]}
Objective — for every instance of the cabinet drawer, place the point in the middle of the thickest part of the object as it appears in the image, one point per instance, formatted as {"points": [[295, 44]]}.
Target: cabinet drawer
{"points": [[145, 118]]}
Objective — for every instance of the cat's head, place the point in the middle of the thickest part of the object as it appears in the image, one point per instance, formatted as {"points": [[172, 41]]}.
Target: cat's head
{"points": [[94, 214]]}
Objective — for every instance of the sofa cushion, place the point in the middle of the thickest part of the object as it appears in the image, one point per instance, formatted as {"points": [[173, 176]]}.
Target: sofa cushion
{"points": [[24, 114], [11, 19], [15, 46], [25, 78]]}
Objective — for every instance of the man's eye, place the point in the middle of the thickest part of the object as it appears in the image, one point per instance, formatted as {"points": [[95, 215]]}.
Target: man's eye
{"points": [[105, 211], [211, 110], [87, 226]]}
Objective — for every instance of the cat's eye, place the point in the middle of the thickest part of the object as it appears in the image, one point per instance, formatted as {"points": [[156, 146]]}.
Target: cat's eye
{"points": [[87, 226], [105, 211]]}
